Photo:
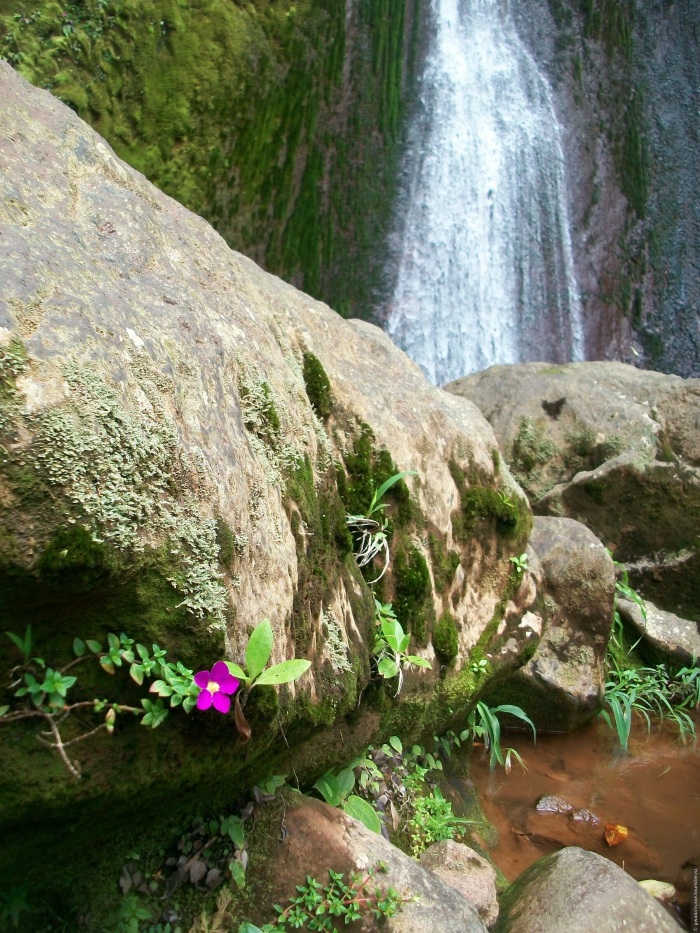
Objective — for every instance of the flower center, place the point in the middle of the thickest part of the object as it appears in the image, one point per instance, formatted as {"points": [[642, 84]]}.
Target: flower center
{"points": [[213, 687]]}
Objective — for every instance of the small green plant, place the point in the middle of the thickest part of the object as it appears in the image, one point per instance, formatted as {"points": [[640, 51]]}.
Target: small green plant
{"points": [[369, 534], [649, 692], [320, 907], [432, 819], [520, 564], [483, 723], [479, 667], [391, 646], [336, 790]]}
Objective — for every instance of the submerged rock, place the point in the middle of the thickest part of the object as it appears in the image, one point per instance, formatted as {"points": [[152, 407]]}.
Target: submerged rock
{"points": [[611, 446], [580, 891]]}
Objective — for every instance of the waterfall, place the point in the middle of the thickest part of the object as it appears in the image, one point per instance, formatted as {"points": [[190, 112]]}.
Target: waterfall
{"points": [[485, 268]]}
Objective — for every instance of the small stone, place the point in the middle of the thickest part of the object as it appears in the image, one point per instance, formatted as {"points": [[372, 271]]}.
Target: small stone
{"points": [[552, 804]]}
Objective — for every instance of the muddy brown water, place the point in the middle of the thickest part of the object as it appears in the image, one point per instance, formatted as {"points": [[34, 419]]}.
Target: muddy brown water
{"points": [[654, 791]]}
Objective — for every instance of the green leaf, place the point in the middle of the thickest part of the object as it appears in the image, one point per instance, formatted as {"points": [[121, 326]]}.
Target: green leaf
{"points": [[387, 485], [22, 644], [420, 662], [136, 672], [78, 647], [3, 710], [346, 782], [237, 873], [395, 743], [248, 927], [364, 812], [327, 786], [237, 671], [283, 673], [518, 713], [388, 668], [93, 645], [113, 641], [259, 649]]}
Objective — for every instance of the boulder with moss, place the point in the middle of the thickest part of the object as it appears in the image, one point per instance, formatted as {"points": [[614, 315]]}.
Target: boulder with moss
{"points": [[613, 447], [561, 685], [183, 436]]}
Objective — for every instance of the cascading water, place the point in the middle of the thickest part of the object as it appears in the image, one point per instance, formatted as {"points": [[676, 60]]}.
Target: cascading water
{"points": [[485, 270]]}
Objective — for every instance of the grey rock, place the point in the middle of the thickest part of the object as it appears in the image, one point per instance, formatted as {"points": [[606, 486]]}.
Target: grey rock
{"points": [[561, 686], [466, 871], [552, 804], [611, 446], [577, 892], [669, 637]]}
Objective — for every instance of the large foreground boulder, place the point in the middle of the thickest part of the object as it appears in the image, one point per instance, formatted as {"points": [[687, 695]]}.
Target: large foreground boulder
{"points": [[318, 837], [580, 891], [182, 438], [614, 447]]}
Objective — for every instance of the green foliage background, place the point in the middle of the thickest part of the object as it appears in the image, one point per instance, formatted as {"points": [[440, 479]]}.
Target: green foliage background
{"points": [[278, 121]]}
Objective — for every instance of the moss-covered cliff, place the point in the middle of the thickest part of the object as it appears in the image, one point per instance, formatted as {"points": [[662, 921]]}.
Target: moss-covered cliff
{"points": [[278, 121]]}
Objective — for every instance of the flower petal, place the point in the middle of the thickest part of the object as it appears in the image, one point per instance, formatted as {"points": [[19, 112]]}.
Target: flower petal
{"points": [[220, 671], [202, 678], [221, 702], [204, 700], [229, 684]]}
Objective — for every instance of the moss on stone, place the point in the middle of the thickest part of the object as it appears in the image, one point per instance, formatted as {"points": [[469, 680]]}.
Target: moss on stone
{"points": [[368, 466], [445, 638], [444, 562], [413, 592], [318, 386]]}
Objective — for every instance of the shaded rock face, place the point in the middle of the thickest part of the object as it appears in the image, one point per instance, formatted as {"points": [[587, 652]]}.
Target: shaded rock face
{"points": [[320, 837], [466, 871], [614, 447], [182, 437], [580, 891], [561, 686]]}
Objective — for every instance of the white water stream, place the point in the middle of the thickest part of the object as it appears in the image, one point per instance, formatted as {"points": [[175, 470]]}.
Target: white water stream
{"points": [[485, 262]]}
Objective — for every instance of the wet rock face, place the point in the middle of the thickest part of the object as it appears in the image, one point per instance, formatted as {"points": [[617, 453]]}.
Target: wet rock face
{"points": [[613, 447], [664, 635], [580, 891]]}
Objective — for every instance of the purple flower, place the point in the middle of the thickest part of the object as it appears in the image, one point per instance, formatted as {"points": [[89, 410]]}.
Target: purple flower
{"points": [[214, 685]]}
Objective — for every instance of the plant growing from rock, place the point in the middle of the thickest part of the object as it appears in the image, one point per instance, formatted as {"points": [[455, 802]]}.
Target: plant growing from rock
{"points": [[369, 534], [391, 646], [320, 907], [41, 691]]}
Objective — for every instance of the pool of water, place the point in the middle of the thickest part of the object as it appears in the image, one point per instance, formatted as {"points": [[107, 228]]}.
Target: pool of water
{"points": [[654, 791]]}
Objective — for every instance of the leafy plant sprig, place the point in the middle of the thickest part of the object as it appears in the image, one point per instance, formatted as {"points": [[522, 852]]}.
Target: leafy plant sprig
{"points": [[483, 723], [320, 907], [391, 646], [336, 790]]}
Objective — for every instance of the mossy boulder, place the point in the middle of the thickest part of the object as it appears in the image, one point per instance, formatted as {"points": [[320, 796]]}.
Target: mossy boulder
{"points": [[166, 473], [613, 447]]}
